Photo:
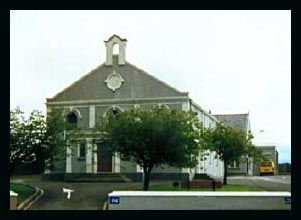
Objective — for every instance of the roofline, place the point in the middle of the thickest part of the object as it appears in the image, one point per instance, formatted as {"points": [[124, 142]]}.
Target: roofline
{"points": [[263, 145], [115, 35], [50, 102], [204, 111], [231, 114], [158, 80], [77, 81], [103, 64]]}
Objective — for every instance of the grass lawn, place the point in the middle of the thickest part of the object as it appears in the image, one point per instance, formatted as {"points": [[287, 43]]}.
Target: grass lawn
{"points": [[228, 187], [23, 191]]}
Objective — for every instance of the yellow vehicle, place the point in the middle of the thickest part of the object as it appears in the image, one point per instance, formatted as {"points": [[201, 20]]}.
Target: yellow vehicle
{"points": [[266, 167]]}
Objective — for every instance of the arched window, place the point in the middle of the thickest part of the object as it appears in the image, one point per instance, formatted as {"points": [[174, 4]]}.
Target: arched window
{"points": [[72, 118], [115, 49], [115, 110], [160, 106], [71, 115]]}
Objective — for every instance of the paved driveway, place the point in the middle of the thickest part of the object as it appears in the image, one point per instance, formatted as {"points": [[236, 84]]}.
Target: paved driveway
{"points": [[86, 196]]}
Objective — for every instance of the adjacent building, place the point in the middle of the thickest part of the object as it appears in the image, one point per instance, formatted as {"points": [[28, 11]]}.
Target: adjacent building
{"points": [[247, 166], [242, 122]]}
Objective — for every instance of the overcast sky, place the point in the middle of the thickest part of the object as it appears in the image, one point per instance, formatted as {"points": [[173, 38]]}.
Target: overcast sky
{"points": [[228, 61]]}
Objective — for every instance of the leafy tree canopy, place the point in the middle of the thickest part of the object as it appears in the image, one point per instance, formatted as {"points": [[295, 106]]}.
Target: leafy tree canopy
{"points": [[155, 137], [27, 142], [229, 144]]}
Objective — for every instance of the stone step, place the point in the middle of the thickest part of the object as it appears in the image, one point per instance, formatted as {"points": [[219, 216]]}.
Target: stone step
{"points": [[202, 176], [99, 177]]}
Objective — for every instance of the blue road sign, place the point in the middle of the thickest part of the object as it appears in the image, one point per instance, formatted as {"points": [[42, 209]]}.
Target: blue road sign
{"points": [[287, 200], [114, 200]]}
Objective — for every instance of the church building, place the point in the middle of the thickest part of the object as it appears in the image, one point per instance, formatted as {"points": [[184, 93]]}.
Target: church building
{"points": [[117, 85]]}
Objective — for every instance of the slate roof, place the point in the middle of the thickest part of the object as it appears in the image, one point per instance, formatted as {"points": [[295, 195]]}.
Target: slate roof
{"points": [[238, 121], [137, 84]]}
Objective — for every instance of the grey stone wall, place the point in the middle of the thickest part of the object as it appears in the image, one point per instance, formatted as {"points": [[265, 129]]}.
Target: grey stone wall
{"points": [[241, 170], [78, 164], [166, 169], [59, 166], [127, 166], [83, 122]]}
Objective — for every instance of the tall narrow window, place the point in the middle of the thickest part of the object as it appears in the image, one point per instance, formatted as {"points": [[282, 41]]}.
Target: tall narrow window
{"points": [[81, 150]]}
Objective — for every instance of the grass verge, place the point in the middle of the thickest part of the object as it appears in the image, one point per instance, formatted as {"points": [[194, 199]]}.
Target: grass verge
{"points": [[23, 191], [228, 187]]}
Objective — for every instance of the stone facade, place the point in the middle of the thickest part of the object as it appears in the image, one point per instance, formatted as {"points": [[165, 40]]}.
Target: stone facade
{"points": [[118, 85]]}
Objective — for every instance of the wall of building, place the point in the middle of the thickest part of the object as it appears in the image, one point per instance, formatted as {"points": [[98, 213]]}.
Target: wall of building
{"points": [[78, 164], [241, 169], [166, 169], [92, 96], [83, 122], [211, 165], [208, 164], [128, 166]]}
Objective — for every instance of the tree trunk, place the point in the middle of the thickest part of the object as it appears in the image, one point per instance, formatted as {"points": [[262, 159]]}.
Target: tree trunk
{"points": [[225, 173], [146, 180], [247, 166]]}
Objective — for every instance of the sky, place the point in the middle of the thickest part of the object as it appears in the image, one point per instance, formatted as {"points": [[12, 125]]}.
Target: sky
{"points": [[229, 61]]}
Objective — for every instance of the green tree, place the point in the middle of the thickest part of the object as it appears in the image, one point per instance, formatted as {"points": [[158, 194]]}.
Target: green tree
{"points": [[35, 132], [251, 152], [229, 144], [57, 138], [284, 168], [27, 140], [17, 122], [154, 137]]}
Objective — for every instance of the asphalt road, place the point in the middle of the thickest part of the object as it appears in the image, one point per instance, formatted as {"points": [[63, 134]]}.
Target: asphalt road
{"points": [[86, 196], [269, 183], [91, 196]]}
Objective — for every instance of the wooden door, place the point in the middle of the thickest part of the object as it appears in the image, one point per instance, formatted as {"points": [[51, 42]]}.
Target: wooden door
{"points": [[104, 158]]}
